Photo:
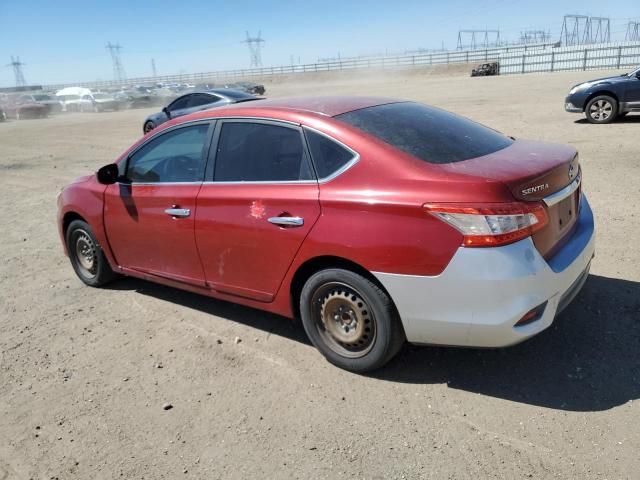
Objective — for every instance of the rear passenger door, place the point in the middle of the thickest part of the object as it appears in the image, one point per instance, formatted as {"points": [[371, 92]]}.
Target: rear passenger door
{"points": [[257, 207]]}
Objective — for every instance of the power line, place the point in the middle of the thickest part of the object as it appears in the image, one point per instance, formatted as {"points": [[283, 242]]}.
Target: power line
{"points": [[16, 64], [255, 49], [118, 69]]}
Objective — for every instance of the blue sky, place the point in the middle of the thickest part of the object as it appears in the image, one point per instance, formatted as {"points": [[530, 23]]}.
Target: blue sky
{"points": [[64, 41]]}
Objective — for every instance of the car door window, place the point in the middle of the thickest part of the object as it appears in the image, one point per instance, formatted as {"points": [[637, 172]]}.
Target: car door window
{"points": [[200, 99], [328, 155], [260, 152], [175, 156], [179, 103]]}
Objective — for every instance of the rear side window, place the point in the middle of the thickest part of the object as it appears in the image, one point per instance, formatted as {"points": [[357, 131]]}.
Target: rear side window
{"points": [[201, 99], [260, 152], [427, 133], [328, 156]]}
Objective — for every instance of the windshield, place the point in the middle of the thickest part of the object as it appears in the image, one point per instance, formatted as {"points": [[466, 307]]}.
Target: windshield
{"points": [[42, 97], [634, 72], [429, 134], [100, 95]]}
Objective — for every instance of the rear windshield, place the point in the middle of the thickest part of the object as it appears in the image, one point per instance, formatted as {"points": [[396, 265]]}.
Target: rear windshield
{"points": [[427, 133]]}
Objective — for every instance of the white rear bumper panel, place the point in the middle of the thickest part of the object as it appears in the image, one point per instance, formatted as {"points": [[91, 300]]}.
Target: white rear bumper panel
{"points": [[483, 292]]}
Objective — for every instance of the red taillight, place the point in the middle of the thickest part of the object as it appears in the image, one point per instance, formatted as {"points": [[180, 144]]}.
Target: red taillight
{"points": [[494, 224]]}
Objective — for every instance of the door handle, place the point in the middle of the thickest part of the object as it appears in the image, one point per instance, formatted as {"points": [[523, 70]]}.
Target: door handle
{"points": [[287, 221], [178, 212]]}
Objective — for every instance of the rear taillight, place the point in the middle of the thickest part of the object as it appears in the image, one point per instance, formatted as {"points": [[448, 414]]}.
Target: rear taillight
{"points": [[492, 224]]}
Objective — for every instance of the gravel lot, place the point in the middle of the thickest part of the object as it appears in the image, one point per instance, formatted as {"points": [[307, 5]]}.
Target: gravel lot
{"points": [[84, 373]]}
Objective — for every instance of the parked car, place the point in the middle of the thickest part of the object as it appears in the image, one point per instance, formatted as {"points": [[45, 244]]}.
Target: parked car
{"points": [[194, 102], [373, 220], [486, 69], [53, 104], [25, 109], [253, 88], [604, 99], [102, 101]]}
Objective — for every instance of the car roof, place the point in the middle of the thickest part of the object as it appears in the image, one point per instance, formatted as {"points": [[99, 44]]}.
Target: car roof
{"points": [[327, 106]]}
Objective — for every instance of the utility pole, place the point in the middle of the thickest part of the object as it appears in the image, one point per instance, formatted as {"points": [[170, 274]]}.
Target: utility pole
{"points": [[118, 70], [255, 49], [16, 64], [153, 67]]}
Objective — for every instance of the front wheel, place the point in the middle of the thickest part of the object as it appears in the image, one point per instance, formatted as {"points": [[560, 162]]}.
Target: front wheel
{"points": [[148, 126], [601, 109], [86, 255], [350, 320]]}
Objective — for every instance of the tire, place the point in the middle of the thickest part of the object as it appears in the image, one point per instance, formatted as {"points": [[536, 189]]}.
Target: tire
{"points": [[148, 126], [331, 298], [601, 109], [86, 255]]}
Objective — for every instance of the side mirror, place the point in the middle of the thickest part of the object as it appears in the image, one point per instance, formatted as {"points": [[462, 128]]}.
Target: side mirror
{"points": [[166, 112], [108, 174]]}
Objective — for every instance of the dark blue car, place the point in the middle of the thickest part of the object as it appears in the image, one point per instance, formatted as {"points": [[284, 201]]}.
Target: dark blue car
{"points": [[195, 101], [604, 99]]}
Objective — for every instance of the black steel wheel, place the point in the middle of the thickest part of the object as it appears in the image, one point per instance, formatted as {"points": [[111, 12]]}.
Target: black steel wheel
{"points": [[350, 319], [86, 255]]}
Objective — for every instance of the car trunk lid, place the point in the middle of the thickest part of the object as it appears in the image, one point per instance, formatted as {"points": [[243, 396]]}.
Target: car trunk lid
{"points": [[535, 171]]}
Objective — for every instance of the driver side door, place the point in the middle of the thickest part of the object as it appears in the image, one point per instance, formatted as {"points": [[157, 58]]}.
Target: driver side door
{"points": [[149, 213]]}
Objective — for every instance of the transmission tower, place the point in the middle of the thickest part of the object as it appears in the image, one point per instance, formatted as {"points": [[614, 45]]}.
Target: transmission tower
{"points": [[16, 64], [478, 39], [153, 67], [118, 69], [598, 30], [255, 49], [633, 32], [534, 36], [574, 29]]}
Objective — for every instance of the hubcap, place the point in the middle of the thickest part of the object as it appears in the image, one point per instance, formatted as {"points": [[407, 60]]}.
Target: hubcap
{"points": [[344, 319], [86, 252], [601, 110]]}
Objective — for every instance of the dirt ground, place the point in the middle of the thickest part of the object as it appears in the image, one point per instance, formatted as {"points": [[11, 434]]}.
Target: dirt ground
{"points": [[84, 373]]}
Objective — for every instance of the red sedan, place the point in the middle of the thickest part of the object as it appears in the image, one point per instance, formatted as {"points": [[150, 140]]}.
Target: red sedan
{"points": [[373, 220]]}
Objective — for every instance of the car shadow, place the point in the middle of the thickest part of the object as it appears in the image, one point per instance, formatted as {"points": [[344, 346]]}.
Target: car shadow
{"points": [[588, 360], [630, 118], [265, 321]]}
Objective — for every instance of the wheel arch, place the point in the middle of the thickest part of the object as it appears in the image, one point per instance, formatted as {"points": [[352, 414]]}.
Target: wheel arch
{"points": [[597, 93], [315, 264], [70, 217]]}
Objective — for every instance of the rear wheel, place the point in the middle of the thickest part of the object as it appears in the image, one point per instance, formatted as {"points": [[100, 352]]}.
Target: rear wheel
{"points": [[86, 255], [601, 109], [350, 320], [148, 126]]}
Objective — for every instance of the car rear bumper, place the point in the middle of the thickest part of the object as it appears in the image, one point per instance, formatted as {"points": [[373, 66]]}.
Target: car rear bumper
{"points": [[477, 300]]}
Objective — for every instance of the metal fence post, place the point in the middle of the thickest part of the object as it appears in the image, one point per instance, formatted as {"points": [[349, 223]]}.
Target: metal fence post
{"points": [[447, 58], [553, 57], [524, 57], [486, 55], [584, 63], [619, 56]]}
